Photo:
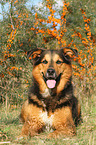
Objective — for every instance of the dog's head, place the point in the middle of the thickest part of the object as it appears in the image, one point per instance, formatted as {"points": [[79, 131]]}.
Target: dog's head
{"points": [[52, 68]]}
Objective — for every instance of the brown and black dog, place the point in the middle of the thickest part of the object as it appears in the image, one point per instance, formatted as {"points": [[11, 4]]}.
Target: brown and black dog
{"points": [[51, 103]]}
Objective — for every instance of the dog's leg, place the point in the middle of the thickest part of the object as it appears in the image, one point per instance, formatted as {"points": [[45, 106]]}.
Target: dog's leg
{"points": [[32, 122], [32, 127], [63, 123]]}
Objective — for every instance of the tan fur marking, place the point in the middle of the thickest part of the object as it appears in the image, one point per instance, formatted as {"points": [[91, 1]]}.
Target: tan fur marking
{"points": [[64, 78], [68, 52], [36, 53], [47, 57], [37, 73], [66, 71], [56, 57]]}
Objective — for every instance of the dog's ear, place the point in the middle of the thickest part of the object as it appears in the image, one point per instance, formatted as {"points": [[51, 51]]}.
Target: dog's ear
{"points": [[69, 53], [34, 54]]}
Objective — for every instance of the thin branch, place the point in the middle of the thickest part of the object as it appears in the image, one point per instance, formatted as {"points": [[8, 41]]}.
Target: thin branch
{"points": [[10, 8]]}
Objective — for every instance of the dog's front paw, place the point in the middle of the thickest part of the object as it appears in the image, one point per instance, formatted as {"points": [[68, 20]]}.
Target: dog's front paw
{"points": [[61, 133], [54, 134], [21, 137]]}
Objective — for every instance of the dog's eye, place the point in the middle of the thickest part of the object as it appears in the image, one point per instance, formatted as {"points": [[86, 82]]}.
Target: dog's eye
{"points": [[44, 61], [58, 62]]}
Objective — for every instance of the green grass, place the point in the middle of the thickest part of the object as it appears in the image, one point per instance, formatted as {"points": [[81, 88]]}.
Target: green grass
{"points": [[10, 127]]}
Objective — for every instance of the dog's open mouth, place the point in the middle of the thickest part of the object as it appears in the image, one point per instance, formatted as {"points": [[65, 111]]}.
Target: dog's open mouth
{"points": [[51, 82]]}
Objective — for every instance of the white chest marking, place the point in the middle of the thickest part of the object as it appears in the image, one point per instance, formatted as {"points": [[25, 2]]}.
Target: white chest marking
{"points": [[46, 119]]}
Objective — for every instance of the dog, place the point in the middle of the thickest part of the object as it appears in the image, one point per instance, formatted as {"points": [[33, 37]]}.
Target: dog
{"points": [[51, 103]]}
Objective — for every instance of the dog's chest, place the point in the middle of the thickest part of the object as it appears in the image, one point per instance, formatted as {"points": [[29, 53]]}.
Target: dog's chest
{"points": [[48, 120], [46, 93]]}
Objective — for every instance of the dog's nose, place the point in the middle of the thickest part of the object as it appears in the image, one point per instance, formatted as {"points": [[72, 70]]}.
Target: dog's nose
{"points": [[51, 72]]}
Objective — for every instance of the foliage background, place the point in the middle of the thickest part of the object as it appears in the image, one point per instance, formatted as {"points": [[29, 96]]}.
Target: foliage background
{"points": [[49, 26]]}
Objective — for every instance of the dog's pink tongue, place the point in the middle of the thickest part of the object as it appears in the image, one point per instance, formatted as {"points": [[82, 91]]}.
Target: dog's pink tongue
{"points": [[51, 83]]}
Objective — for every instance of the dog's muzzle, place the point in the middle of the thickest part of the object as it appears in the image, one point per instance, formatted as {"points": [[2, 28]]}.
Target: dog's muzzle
{"points": [[51, 78]]}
